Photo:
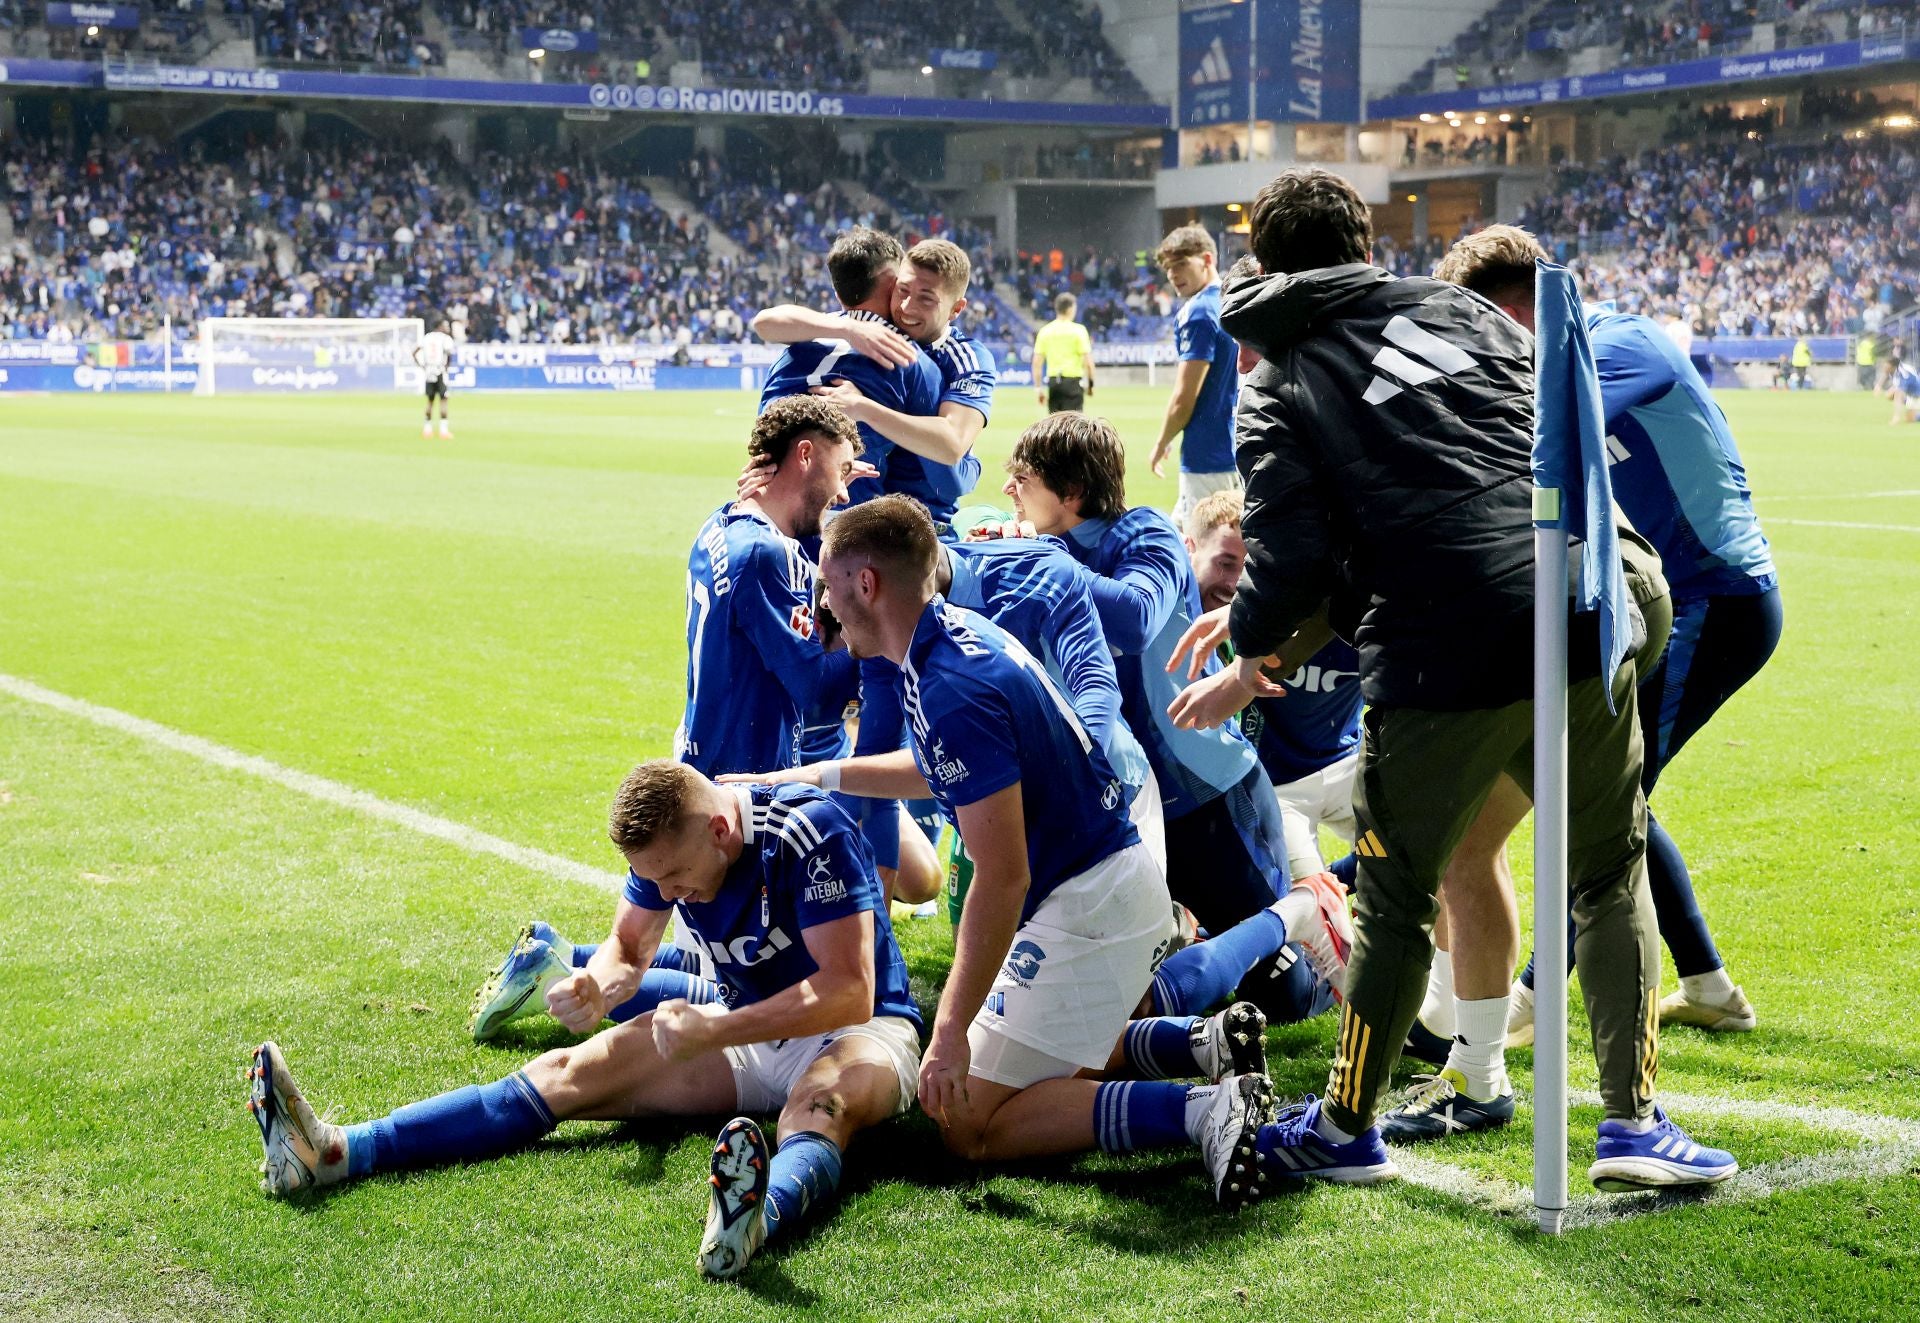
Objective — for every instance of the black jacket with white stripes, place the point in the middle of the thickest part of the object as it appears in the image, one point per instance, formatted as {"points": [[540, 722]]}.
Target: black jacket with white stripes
{"points": [[1385, 441]]}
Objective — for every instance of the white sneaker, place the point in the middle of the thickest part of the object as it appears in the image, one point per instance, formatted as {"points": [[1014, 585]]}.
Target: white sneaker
{"points": [[1520, 1015], [1234, 1042], [736, 1205], [1240, 1108], [302, 1150], [1735, 1016]]}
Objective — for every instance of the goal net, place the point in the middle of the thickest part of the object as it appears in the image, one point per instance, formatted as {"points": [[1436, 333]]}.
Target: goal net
{"points": [[307, 354]]}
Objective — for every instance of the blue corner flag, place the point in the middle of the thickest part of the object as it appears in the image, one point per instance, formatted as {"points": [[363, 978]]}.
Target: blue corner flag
{"points": [[1570, 454]]}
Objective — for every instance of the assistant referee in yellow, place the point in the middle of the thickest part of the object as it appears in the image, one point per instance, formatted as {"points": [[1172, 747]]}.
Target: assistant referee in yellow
{"points": [[1063, 359]]}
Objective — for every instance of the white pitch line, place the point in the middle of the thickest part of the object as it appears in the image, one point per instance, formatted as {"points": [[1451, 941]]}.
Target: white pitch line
{"points": [[1893, 1149], [316, 787], [1842, 523]]}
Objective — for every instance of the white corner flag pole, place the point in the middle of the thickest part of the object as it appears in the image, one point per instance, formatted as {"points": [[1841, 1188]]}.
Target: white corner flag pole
{"points": [[1549, 860]]}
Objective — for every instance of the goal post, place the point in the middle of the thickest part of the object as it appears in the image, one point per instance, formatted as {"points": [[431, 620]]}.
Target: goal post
{"points": [[307, 354]]}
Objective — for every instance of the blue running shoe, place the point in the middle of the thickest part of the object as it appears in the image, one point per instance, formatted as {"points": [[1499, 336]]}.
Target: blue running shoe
{"points": [[737, 1203], [1293, 1153], [1438, 1106], [518, 985], [1662, 1158]]}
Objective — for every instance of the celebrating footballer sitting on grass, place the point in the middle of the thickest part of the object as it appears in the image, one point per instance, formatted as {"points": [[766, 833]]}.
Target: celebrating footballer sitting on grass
{"points": [[815, 1020]]}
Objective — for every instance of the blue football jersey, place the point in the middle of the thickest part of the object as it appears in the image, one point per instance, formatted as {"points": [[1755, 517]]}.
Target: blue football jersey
{"points": [[1146, 594], [983, 715], [1036, 592], [1207, 444], [754, 664], [913, 390], [967, 377], [1315, 723], [804, 864], [1676, 470]]}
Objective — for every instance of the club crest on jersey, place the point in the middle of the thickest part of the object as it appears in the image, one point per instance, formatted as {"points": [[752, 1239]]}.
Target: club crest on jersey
{"points": [[947, 769], [822, 885]]}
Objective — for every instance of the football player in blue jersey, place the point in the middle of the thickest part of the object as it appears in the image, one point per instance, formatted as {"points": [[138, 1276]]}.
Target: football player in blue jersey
{"points": [[1309, 737], [755, 663], [1206, 384], [815, 1020], [1226, 846], [1067, 916], [932, 459], [1678, 476], [864, 266]]}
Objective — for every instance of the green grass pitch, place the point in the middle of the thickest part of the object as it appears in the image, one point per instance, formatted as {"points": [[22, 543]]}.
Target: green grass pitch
{"points": [[491, 630]]}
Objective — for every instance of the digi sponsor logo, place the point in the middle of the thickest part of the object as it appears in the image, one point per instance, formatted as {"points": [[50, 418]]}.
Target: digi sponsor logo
{"points": [[802, 621], [748, 950], [1110, 797], [1023, 962]]}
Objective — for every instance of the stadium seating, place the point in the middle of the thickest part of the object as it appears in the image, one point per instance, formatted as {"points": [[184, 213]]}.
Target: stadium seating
{"points": [[1742, 239], [1524, 40], [339, 32]]}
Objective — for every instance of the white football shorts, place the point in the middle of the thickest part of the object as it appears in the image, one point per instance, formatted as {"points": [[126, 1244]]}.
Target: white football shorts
{"points": [[1321, 799], [1074, 973], [765, 1073]]}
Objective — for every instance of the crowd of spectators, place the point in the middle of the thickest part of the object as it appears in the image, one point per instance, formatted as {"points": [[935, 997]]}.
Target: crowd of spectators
{"points": [[1517, 40], [115, 240], [810, 43], [1738, 239], [345, 32]]}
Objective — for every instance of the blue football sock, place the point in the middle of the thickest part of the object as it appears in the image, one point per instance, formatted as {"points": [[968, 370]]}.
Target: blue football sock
{"points": [[658, 985], [1162, 1048], [1136, 1114], [1345, 868], [804, 1171], [1197, 978], [1285, 988], [582, 954], [481, 1121]]}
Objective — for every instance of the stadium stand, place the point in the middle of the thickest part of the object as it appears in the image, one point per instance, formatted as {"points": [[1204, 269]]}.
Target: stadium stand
{"points": [[338, 32], [1522, 40], [1748, 238]]}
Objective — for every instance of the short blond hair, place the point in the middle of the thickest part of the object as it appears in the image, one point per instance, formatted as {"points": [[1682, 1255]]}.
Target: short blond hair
{"points": [[1492, 261], [652, 800], [946, 260], [1215, 510], [1187, 241]]}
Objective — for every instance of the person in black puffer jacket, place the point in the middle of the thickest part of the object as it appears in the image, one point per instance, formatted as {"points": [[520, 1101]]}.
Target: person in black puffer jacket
{"points": [[1385, 440]]}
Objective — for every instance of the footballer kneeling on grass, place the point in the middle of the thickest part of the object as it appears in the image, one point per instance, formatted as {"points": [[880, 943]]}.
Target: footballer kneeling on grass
{"points": [[815, 1019]]}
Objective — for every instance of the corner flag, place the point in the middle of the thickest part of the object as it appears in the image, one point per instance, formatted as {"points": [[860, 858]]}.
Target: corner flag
{"points": [[1570, 455], [1572, 498]]}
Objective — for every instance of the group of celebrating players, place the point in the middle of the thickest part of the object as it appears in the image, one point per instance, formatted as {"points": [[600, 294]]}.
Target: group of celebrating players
{"points": [[1137, 727]]}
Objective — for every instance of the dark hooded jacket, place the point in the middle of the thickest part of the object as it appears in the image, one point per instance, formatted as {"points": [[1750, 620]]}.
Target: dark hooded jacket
{"points": [[1385, 441]]}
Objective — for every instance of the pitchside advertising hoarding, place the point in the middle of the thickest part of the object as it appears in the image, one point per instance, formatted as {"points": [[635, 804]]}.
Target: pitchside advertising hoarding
{"points": [[33, 365], [1216, 62]]}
